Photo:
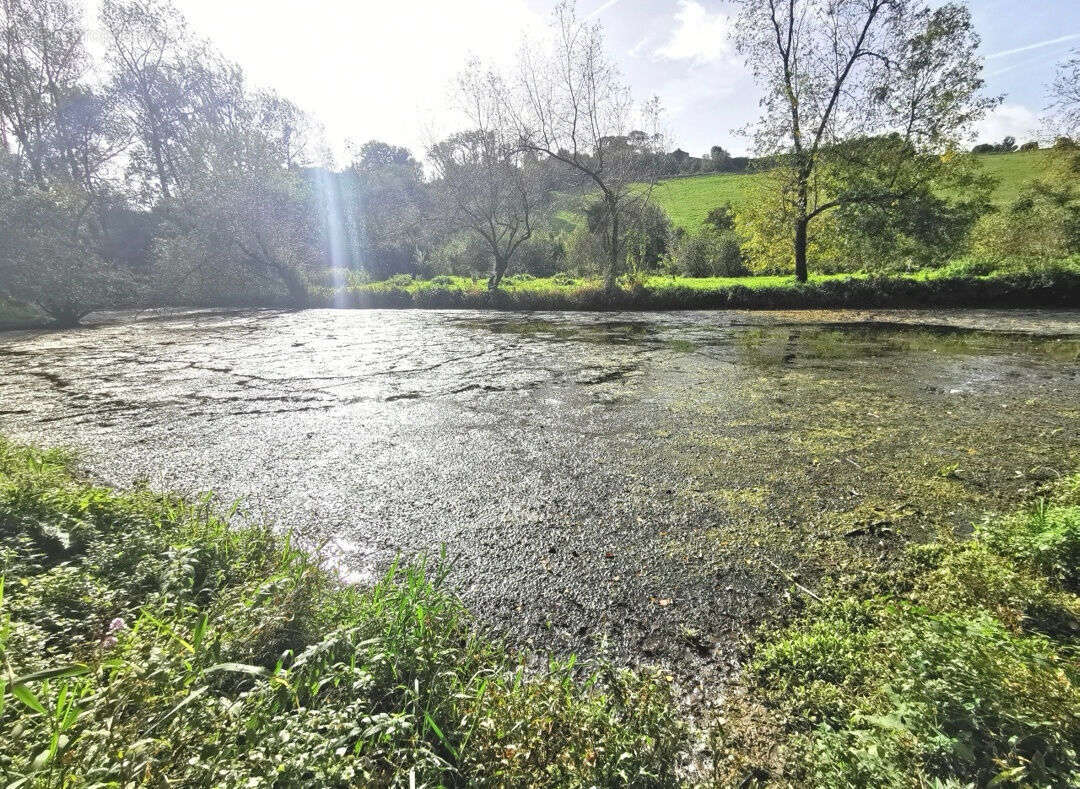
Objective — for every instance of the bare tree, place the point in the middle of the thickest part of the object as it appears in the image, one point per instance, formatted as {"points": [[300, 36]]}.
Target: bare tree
{"points": [[1065, 95], [834, 72], [570, 104], [484, 180]]}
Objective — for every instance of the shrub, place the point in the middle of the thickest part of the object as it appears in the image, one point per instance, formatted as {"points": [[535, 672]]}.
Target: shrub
{"points": [[1031, 145], [722, 217], [710, 253]]}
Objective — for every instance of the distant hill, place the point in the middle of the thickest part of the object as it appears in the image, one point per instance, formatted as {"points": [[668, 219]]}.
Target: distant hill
{"points": [[688, 200]]}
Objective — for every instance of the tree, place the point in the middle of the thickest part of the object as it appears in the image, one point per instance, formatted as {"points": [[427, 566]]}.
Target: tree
{"points": [[1065, 94], [719, 155], [837, 70], [485, 186], [240, 214], [388, 205], [64, 133], [486, 183], [151, 59], [50, 256], [571, 105]]}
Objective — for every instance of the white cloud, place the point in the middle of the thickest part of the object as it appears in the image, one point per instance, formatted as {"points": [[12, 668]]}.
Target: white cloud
{"points": [[1012, 120], [699, 35]]}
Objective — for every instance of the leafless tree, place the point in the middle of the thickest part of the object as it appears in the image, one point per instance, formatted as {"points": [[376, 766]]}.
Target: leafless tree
{"points": [[834, 71], [146, 43], [569, 103], [44, 102], [1065, 95], [484, 180]]}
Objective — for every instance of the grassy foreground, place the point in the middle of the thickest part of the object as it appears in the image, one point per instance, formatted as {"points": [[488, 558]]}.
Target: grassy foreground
{"points": [[960, 666], [145, 643], [1050, 284]]}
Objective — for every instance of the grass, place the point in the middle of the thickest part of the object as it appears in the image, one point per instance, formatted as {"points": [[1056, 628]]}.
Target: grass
{"points": [[964, 284], [144, 641], [688, 200], [960, 666], [1014, 171]]}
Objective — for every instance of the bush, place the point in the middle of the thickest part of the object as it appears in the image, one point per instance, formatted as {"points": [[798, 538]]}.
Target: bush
{"points": [[1031, 145], [147, 641], [709, 253]]}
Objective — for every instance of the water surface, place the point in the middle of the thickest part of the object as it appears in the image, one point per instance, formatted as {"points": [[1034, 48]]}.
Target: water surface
{"points": [[640, 484]]}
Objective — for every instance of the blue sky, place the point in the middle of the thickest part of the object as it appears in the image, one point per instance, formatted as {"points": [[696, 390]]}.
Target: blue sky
{"points": [[374, 69], [666, 47]]}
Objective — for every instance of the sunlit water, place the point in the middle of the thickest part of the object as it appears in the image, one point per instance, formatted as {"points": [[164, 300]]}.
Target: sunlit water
{"points": [[624, 482]]}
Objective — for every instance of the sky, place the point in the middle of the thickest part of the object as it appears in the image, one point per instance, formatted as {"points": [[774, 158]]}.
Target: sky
{"points": [[372, 69]]}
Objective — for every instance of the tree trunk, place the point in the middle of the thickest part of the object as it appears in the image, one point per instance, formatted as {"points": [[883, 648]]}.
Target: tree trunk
{"points": [[613, 262], [800, 248], [159, 164], [497, 273], [801, 221]]}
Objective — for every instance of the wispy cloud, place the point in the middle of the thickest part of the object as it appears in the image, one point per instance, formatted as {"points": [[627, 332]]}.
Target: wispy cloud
{"points": [[1037, 45], [601, 9], [698, 35]]}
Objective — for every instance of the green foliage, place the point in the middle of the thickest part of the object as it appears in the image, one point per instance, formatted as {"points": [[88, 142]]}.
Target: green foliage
{"points": [[1011, 283], [1044, 218], [959, 666], [146, 641], [50, 255], [1047, 540], [883, 208], [709, 253]]}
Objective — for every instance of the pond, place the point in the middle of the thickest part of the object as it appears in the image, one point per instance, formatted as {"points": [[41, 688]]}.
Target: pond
{"points": [[645, 485]]}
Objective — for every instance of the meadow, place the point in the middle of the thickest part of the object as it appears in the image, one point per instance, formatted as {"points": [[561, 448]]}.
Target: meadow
{"points": [[688, 200]]}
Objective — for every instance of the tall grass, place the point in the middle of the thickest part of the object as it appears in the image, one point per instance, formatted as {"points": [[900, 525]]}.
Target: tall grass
{"points": [[147, 642]]}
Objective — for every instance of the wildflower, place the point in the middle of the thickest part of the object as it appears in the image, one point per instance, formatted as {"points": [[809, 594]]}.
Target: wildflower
{"points": [[117, 624]]}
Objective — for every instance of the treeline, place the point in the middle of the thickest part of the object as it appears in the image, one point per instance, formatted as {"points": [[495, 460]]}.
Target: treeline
{"points": [[1008, 145], [155, 173]]}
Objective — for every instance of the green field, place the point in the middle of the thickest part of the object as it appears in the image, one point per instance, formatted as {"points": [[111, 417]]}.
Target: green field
{"points": [[688, 201]]}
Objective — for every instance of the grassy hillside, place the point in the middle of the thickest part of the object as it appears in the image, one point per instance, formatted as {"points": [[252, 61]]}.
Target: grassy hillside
{"points": [[1013, 171], [689, 200]]}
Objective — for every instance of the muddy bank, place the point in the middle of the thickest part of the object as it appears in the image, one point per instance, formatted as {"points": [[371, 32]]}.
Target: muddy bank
{"points": [[623, 482]]}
